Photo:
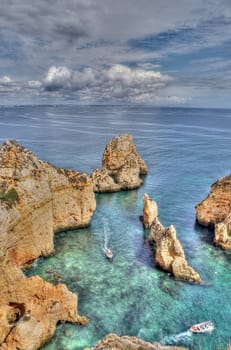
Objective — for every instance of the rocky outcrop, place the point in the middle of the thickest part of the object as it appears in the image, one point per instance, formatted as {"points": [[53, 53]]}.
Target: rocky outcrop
{"points": [[122, 166], [215, 211], [150, 211], [36, 200], [169, 254], [113, 341], [30, 309]]}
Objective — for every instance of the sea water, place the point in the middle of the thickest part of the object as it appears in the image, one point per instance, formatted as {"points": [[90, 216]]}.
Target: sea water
{"points": [[186, 150]]}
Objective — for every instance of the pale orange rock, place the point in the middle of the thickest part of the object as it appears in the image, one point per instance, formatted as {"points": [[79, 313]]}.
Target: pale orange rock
{"points": [[30, 309], [122, 166], [169, 253], [150, 210], [36, 200], [215, 211]]}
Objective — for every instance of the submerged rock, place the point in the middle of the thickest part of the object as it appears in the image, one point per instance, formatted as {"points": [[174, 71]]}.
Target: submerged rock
{"points": [[215, 211], [113, 341], [169, 254], [36, 200], [121, 166]]}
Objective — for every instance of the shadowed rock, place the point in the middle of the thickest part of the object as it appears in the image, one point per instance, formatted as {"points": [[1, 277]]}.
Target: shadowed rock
{"points": [[215, 211], [121, 166]]}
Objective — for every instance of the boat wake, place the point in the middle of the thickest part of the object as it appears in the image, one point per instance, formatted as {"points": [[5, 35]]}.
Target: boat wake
{"points": [[183, 338], [106, 233]]}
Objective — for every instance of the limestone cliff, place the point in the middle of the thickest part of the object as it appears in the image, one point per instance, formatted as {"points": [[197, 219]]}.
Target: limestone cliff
{"points": [[113, 341], [121, 166], [36, 200], [215, 211], [169, 254]]}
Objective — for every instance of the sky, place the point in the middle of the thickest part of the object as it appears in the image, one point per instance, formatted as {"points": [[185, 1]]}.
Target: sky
{"points": [[155, 52]]}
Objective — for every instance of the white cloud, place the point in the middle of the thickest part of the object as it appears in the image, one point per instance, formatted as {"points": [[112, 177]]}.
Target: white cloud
{"points": [[118, 82], [5, 80]]}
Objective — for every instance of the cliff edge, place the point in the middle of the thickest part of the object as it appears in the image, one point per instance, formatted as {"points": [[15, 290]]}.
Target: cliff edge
{"points": [[36, 200], [215, 211]]}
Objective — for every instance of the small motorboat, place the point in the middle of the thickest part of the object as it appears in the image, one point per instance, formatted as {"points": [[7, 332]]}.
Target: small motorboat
{"points": [[108, 253], [203, 327]]}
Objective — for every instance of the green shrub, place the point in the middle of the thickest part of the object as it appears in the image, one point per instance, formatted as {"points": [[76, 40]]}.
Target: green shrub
{"points": [[10, 196]]}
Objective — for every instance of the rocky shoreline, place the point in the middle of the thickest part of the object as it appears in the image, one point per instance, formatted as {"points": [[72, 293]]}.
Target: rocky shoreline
{"points": [[36, 200], [215, 212]]}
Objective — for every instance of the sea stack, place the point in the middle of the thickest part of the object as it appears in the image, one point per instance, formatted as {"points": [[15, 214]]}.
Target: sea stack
{"points": [[36, 201], [215, 212], [169, 253], [122, 166]]}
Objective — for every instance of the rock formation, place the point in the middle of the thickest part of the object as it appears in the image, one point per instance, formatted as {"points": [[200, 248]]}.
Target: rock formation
{"points": [[113, 341], [36, 200], [169, 254], [150, 211], [30, 309], [215, 211], [121, 166]]}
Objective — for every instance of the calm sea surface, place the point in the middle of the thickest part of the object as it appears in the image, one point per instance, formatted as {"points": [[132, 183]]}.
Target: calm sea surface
{"points": [[186, 151]]}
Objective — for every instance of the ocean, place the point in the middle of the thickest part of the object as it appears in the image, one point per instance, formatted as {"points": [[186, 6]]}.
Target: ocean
{"points": [[186, 150]]}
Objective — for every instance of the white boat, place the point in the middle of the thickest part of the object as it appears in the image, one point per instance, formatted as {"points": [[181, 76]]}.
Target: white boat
{"points": [[108, 253], [203, 327]]}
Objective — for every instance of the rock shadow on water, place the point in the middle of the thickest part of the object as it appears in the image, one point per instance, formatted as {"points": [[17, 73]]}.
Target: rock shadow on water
{"points": [[206, 234]]}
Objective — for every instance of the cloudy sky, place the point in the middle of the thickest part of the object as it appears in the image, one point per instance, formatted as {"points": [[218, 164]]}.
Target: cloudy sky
{"points": [[160, 52]]}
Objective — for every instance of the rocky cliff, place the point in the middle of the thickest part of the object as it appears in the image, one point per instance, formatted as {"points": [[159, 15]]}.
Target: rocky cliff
{"points": [[122, 166], [36, 200], [169, 254], [215, 211], [113, 341]]}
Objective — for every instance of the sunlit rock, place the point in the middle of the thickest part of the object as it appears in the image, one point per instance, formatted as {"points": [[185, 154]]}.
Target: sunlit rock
{"points": [[36, 200], [214, 211], [122, 166]]}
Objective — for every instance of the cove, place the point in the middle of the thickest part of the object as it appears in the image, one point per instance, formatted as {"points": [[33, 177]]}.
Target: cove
{"points": [[186, 151]]}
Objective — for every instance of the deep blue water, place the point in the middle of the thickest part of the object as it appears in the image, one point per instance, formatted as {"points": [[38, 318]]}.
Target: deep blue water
{"points": [[186, 151]]}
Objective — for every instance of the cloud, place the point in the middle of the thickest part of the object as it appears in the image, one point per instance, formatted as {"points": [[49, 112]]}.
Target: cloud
{"points": [[5, 80], [118, 82], [112, 49]]}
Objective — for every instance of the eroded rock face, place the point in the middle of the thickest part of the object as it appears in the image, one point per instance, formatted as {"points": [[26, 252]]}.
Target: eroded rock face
{"points": [[121, 166], [36, 200], [30, 309], [113, 341], [215, 211], [150, 211], [169, 254]]}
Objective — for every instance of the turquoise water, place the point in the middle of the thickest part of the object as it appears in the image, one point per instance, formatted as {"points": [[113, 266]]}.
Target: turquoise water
{"points": [[186, 151]]}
